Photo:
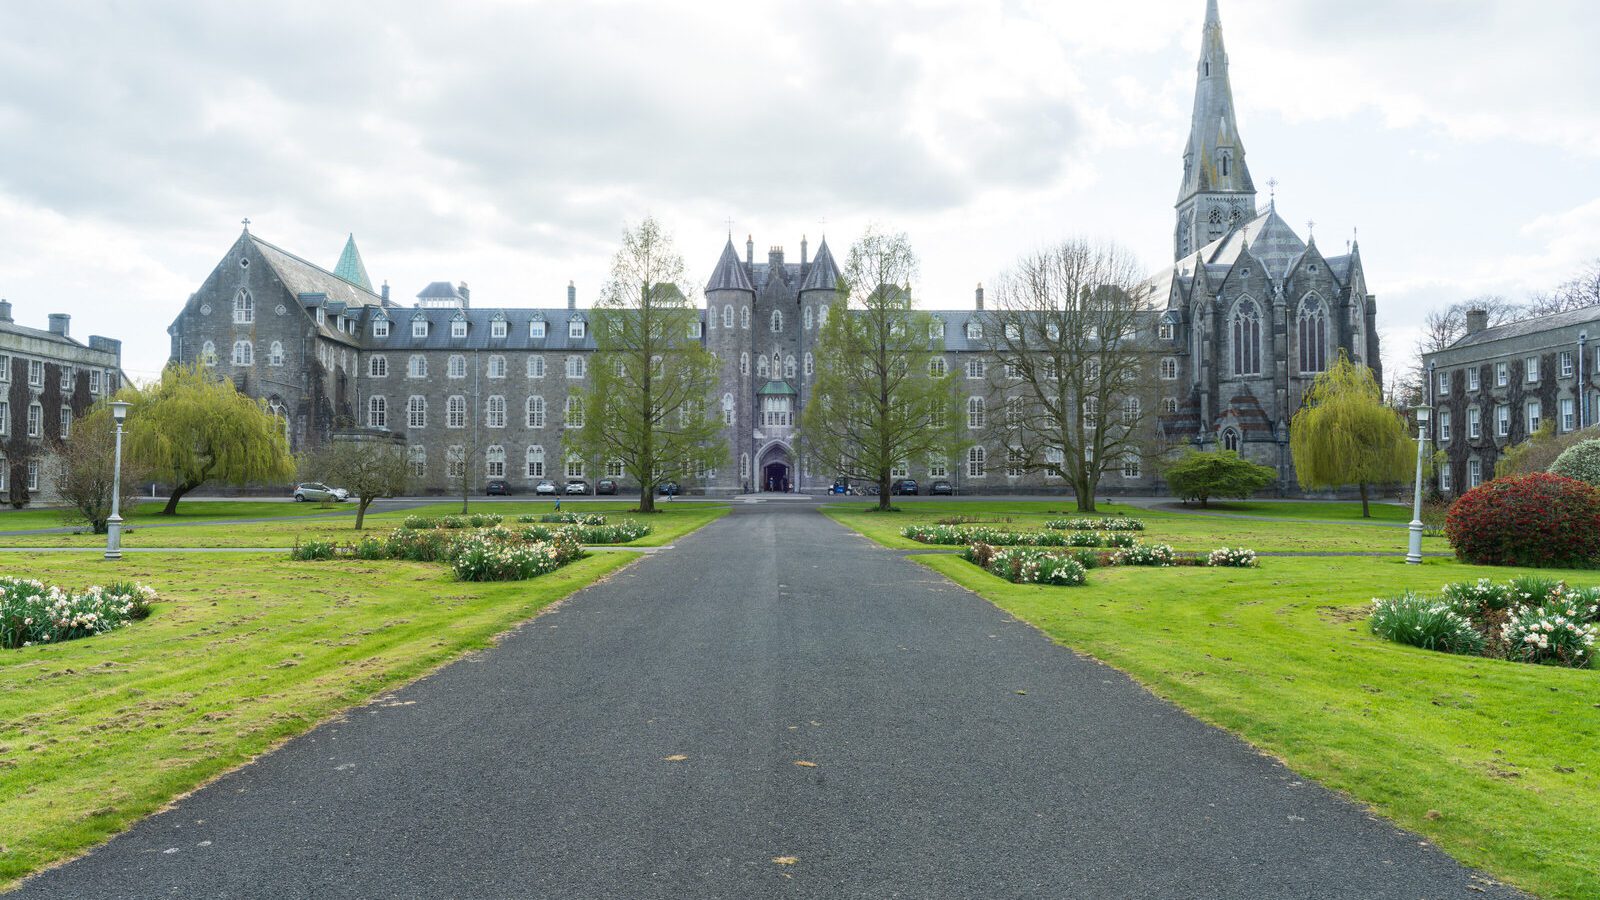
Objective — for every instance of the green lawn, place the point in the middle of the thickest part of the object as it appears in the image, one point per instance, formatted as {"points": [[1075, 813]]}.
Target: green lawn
{"points": [[1497, 763], [147, 512], [1186, 531], [239, 656], [673, 521], [1315, 510]]}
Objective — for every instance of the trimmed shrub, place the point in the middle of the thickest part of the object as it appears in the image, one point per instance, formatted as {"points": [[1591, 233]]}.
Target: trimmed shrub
{"points": [[1144, 555], [1426, 623], [32, 612], [312, 550], [1531, 520], [1555, 633], [1235, 557], [1580, 462]]}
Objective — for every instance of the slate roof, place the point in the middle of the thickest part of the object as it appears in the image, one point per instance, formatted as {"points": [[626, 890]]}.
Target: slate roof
{"points": [[823, 274], [439, 290], [1530, 326], [1269, 238], [42, 335], [479, 329], [305, 278], [350, 267], [729, 274]]}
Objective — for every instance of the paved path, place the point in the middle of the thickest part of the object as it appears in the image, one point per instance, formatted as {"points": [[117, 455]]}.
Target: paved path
{"points": [[549, 767]]}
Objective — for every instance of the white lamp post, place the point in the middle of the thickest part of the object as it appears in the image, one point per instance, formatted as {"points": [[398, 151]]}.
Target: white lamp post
{"points": [[119, 411], [1414, 555]]}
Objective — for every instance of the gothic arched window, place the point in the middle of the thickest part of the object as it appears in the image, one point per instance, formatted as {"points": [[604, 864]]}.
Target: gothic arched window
{"points": [[727, 316], [777, 321], [763, 368], [1312, 334], [1216, 216], [1246, 327], [1230, 440], [244, 308]]}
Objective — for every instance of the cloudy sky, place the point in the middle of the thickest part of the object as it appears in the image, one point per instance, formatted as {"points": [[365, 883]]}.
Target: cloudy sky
{"points": [[507, 143]]}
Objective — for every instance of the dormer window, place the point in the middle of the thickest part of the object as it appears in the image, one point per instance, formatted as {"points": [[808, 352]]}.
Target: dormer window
{"points": [[575, 329], [974, 331], [458, 327], [536, 328], [380, 327], [497, 328], [419, 327]]}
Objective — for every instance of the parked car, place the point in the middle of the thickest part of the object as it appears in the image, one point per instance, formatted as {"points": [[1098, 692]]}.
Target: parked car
{"points": [[605, 486], [546, 487], [313, 490], [577, 486], [941, 487], [904, 486], [840, 486], [668, 489], [498, 486]]}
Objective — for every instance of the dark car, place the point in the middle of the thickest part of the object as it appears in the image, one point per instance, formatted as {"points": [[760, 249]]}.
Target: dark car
{"points": [[498, 487], [605, 486], [941, 487], [668, 489], [577, 486], [904, 486]]}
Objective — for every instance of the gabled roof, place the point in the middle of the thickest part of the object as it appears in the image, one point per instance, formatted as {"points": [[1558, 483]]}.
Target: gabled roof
{"points": [[778, 388], [1267, 237], [824, 274], [302, 278], [729, 274], [350, 267]]}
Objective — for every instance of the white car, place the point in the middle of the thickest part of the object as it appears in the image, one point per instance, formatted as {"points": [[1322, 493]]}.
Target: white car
{"points": [[312, 490]]}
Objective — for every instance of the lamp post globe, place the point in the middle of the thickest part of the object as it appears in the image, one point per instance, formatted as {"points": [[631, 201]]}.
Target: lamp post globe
{"points": [[1414, 551], [119, 412]]}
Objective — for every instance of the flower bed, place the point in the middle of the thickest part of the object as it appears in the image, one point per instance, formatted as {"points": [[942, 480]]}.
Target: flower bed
{"points": [[1145, 555], [1025, 565], [476, 520], [1529, 619], [487, 559], [969, 534], [617, 533], [566, 518], [1104, 523], [1236, 557], [488, 554], [32, 612]]}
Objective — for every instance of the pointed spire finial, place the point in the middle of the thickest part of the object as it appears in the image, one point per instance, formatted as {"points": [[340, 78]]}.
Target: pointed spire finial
{"points": [[246, 224]]}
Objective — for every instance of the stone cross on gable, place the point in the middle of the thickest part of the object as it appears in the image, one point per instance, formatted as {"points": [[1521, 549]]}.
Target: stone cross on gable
{"points": [[246, 223]]}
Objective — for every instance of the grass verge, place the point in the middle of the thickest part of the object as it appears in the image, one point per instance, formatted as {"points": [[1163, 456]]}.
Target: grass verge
{"points": [[97, 733]]}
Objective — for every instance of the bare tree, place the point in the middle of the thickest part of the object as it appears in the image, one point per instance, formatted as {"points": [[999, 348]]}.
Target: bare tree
{"points": [[84, 464], [1072, 398], [1580, 291], [369, 465]]}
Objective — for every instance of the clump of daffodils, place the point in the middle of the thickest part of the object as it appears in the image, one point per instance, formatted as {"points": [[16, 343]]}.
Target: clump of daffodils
{"points": [[32, 612]]}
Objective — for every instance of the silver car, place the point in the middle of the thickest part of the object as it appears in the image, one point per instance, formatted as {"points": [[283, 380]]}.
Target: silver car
{"points": [[319, 492]]}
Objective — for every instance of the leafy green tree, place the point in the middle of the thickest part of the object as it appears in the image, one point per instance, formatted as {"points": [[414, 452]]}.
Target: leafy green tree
{"points": [[368, 467], [1344, 434], [192, 427], [878, 399], [1220, 473], [646, 402]]}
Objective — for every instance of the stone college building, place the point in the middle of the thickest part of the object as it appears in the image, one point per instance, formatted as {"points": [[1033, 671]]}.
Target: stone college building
{"points": [[1240, 323]]}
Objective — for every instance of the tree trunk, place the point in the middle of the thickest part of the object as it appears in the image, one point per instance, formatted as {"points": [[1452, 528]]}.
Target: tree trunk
{"points": [[647, 498], [1085, 494], [361, 510], [171, 508], [883, 492], [1365, 512]]}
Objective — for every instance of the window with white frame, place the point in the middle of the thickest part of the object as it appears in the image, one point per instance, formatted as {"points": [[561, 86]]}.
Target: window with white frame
{"points": [[975, 333], [1132, 466], [66, 422], [497, 329], [66, 377], [574, 467], [457, 367], [1474, 423], [1130, 411], [901, 469], [33, 474], [975, 414], [535, 460], [1569, 419], [1169, 369], [1535, 413], [1444, 426], [1502, 419], [744, 317], [976, 367], [377, 412], [1013, 370], [244, 308], [727, 316], [811, 365], [1530, 368], [1013, 412], [777, 321], [695, 330], [1091, 412], [536, 366], [244, 353], [576, 329], [1164, 331], [573, 417], [1474, 473], [417, 366], [495, 412], [417, 457], [744, 465], [1502, 374], [727, 409], [94, 381], [776, 411], [744, 364], [788, 367], [1565, 361], [936, 367], [494, 461], [35, 419], [458, 327], [1444, 478], [1474, 378], [378, 366], [419, 327], [763, 368], [380, 327], [614, 468], [807, 318], [1444, 384], [535, 411], [938, 467], [455, 412], [1169, 405], [536, 328], [496, 367], [576, 367], [5, 367], [274, 358], [417, 411], [975, 462]]}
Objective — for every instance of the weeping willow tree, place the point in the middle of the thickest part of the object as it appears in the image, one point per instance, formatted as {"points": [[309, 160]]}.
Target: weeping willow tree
{"points": [[192, 427], [1345, 435]]}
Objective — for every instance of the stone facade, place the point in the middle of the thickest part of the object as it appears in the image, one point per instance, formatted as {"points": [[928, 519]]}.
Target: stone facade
{"points": [[47, 381], [1494, 387]]}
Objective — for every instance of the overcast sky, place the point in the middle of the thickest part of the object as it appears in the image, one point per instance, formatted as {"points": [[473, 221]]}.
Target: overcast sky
{"points": [[506, 144]]}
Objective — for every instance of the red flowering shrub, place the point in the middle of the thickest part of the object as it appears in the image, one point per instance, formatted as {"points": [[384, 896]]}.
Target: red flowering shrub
{"points": [[1529, 520]]}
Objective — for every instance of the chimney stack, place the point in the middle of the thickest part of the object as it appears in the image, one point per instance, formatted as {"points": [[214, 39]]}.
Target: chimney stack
{"points": [[978, 297], [5, 310], [803, 252], [774, 259], [1477, 320], [58, 323], [385, 294], [572, 296], [466, 295]]}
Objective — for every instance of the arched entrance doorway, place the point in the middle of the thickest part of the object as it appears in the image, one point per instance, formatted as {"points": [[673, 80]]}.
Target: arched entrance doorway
{"points": [[776, 470]]}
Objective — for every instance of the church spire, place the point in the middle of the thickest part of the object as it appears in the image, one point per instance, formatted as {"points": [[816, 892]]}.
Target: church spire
{"points": [[350, 267], [1217, 191]]}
